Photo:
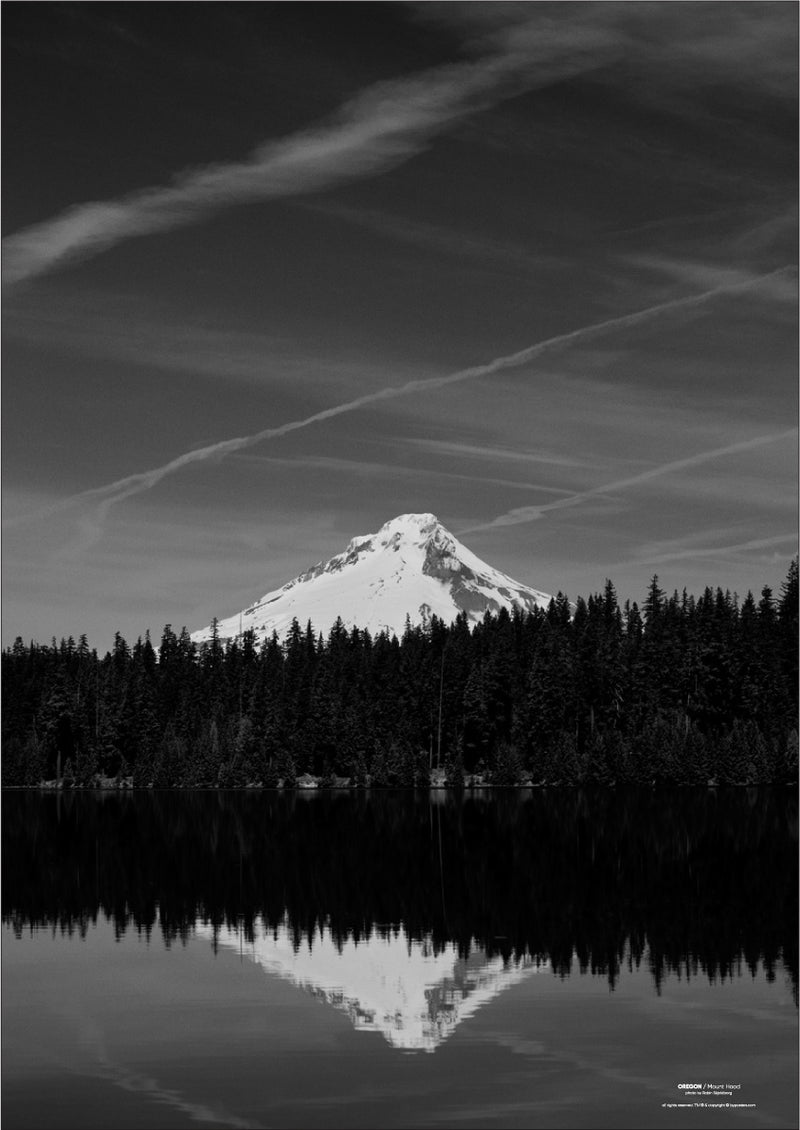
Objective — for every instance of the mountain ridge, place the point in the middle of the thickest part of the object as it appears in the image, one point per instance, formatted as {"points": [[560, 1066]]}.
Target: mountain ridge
{"points": [[412, 567]]}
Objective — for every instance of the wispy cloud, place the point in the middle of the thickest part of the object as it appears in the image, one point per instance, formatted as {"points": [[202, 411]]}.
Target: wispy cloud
{"points": [[381, 127], [138, 333], [371, 469], [684, 220], [688, 272], [113, 493], [533, 513], [150, 1088], [766, 235], [483, 250], [448, 447], [720, 551], [514, 48], [669, 272]]}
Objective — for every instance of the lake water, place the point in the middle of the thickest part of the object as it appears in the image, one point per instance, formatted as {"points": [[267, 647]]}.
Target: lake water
{"points": [[549, 958]]}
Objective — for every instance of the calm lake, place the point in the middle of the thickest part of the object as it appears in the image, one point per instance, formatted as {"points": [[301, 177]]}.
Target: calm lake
{"points": [[540, 958]]}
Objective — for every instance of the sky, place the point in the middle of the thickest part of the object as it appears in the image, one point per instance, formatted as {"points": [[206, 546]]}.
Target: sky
{"points": [[275, 273]]}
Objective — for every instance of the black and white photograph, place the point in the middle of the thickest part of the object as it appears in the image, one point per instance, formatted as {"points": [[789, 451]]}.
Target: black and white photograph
{"points": [[399, 565]]}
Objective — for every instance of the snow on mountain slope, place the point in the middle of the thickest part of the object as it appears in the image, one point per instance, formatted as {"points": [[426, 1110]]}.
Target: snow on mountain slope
{"points": [[411, 567], [389, 983]]}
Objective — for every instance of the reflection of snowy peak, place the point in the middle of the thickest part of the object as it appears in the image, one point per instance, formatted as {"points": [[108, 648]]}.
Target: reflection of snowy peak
{"points": [[412, 567], [392, 984]]}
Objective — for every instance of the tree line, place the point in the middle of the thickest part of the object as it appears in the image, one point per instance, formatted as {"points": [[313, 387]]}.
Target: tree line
{"points": [[683, 690]]}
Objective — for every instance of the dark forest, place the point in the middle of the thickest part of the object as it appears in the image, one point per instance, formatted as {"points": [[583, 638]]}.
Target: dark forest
{"points": [[683, 690]]}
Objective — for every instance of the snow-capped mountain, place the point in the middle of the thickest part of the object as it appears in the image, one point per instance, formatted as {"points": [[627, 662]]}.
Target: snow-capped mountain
{"points": [[389, 983], [411, 567]]}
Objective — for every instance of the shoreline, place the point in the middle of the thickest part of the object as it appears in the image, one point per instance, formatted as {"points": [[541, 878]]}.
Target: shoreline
{"points": [[442, 787]]}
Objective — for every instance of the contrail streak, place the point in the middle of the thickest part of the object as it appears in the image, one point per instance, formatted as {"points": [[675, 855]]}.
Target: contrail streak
{"points": [[532, 513], [380, 127], [716, 551], [113, 493]]}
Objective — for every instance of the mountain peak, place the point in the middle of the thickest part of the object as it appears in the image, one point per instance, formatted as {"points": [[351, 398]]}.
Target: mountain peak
{"points": [[411, 568], [413, 529], [410, 524]]}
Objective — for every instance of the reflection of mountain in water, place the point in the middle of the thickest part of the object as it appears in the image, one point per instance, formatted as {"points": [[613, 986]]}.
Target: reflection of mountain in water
{"points": [[388, 983], [686, 881]]}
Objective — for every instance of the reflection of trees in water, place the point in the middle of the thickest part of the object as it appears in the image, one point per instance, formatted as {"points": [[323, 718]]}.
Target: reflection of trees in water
{"points": [[704, 880]]}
